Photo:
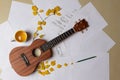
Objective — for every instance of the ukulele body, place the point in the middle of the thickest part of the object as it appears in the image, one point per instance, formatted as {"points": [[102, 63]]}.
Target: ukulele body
{"points": [[23, 60]]}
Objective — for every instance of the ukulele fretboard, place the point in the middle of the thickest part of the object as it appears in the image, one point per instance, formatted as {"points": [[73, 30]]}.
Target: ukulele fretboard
{"points": [[57, 40]]}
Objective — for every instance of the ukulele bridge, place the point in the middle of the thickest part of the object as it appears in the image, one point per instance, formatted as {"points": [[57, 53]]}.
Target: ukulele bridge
{"points": [[25, 59]]}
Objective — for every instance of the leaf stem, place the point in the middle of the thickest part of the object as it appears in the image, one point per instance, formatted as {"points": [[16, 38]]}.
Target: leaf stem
{"points": [[40, 16]]}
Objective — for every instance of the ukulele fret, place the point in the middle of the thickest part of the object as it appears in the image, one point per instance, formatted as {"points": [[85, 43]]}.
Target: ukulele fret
{"points": [[57, 40]]}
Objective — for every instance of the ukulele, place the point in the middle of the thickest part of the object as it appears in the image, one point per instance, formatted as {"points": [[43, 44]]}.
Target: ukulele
{"points": [[25, 59]]}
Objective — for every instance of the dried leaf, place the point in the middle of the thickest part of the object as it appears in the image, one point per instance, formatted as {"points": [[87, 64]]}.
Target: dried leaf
{"points": [[53, 63], [48, 12], [59, 14], [39, 22], [59, 66], [57, 8], [47, 66], [35, 8], [51, 69], [47, 72], [53, 11], [65, 64], [35, 13], [39, 28], [44, 22], [41, 36], [42, 73], [41, 10], [35, 34]]}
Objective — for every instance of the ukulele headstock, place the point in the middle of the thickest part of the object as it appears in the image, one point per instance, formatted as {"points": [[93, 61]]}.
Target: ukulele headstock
{"points": [[81, 25]]}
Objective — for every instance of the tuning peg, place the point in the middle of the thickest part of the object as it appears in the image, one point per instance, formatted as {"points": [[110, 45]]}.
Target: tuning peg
{"points": [[82, 31], [86, 29], [76, 22], [81, 22]]}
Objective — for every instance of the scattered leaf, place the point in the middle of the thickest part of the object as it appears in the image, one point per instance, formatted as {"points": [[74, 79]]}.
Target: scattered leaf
{"points": [[53, 63], [47, 72], [39, 22], [41, 10], [59, 66], [51, 69], [65, 64], [47, 66], [35, 13], [44, 22], [35, 8], [39, 28], [59, 14], [42, 73], [48, 12], [53, 11], [35, 34], [57, 8], [41, 36]]}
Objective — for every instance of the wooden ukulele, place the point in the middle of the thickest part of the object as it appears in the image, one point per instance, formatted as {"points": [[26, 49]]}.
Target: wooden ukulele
{"points": [[25, 59]]}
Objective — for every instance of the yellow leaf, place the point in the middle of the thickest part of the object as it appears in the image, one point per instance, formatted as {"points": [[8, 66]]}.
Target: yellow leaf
{"points": [[65, 64], [53, 11], [47, 66], [39, 22], [35, 34], [57, 8], [48, 12], [59, 66], [42, 73], [47, 72], [41, 36], [51, 69], [39, 28], [59, 14], [44, 22], [53, 63], [35, 8], [41, 10], [42, 66], [35, 13]]}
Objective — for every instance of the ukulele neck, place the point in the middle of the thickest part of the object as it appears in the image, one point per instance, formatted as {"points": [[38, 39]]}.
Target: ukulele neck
{"points": [[57, 40]]}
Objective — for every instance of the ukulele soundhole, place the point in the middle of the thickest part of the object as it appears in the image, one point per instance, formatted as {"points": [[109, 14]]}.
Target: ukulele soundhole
{"points": [[37, 52]]}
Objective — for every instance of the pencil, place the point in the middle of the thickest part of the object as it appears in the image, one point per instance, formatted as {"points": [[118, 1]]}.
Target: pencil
{"points": [[86, 59]]}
